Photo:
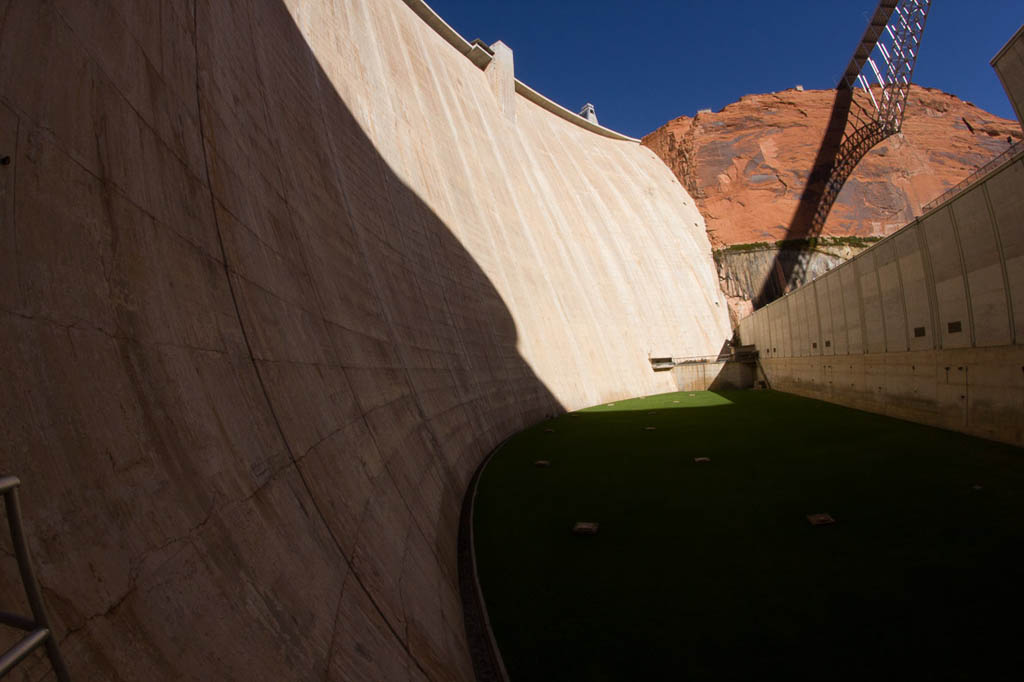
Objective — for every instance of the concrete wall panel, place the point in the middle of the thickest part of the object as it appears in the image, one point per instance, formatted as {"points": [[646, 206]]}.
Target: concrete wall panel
{"points": [[854, 307], [915, 284], [284, 274], [826, 343], [814, 345], [947, 270], [837, 307], [781, 335], [983, 264], [779, 331], [891, 288], [801, 342], [871, 303], [1007, 202], [787, 349]]}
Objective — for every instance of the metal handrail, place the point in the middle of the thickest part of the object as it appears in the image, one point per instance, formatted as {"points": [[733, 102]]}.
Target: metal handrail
{"points": [[975, 176], [733, 356], [38, 626]]}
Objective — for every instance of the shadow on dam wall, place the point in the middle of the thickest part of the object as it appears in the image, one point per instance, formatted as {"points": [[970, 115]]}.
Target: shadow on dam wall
{"points": [[246, 372]]}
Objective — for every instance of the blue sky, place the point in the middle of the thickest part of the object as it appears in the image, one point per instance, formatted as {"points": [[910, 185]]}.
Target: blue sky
{"points": [[645, 62]]}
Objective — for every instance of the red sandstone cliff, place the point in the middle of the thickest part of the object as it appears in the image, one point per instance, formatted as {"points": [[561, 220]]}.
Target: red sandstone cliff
{"points": [[746, 164]]}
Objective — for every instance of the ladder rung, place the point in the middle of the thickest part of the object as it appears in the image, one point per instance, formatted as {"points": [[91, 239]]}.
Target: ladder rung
{"points": [[16, 621], [22, 649]]}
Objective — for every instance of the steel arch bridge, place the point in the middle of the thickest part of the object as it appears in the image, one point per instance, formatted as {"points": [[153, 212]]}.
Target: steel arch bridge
{"points": [[869, 106]]}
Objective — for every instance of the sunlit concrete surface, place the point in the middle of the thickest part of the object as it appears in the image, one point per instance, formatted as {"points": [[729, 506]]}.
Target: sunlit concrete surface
{"points": [[274, 277]]}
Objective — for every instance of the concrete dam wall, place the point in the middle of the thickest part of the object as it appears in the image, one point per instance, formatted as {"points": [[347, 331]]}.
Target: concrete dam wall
{"points": [[274, 278], [927, 325]]}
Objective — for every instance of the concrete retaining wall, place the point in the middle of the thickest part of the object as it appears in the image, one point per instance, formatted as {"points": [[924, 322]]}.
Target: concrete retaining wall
{"points": [[926, 325], [714, 376], [274, 277]]}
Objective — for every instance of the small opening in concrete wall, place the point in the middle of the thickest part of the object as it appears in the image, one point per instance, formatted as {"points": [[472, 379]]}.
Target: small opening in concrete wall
{"points": [[828, 344], [954, 327], [918, 332], [814, 345]]}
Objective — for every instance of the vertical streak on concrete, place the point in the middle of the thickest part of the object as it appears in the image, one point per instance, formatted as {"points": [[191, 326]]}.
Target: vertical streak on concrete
{"points": [[1002, 263], [876, 268], [865, 343], [929, 275], [821, 341], [903, 296], [817, 318], [842, 299], [963, 272], [791, 346]]}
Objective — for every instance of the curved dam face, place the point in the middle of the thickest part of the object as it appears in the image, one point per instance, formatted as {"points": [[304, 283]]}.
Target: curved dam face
{"points": [[274, 278]]}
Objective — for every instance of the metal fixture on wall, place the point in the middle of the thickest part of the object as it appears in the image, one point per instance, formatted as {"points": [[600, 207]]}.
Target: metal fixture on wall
{"points": [[38, 626]]}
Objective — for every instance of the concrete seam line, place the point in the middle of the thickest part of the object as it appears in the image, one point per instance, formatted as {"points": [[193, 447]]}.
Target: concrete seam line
{"points": [[1005, 48], [293, 461]]}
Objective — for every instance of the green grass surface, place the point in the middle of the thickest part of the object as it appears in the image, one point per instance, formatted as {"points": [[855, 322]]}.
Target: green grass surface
{"points": [[712, 571]]}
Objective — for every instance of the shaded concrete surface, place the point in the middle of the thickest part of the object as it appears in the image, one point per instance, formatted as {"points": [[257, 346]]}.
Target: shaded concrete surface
{"points": [[274, 277]]}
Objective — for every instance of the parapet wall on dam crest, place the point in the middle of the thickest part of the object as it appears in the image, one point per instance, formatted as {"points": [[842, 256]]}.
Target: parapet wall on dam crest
{"points": [[274, 277]]}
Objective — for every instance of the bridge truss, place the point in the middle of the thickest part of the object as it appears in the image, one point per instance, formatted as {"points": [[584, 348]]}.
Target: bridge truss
{"points": [[888, 52], [869, 106]]}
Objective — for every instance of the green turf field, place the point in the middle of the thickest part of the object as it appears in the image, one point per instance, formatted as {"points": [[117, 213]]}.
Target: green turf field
{"points": [[712, 571]]}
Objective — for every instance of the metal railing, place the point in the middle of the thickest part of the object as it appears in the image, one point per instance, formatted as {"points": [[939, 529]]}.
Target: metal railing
{"points": [[38, 626], [740, 354], [975, 176]]}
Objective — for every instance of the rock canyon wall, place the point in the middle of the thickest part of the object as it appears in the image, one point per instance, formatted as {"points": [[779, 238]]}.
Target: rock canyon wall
{"points": [[747, 165], [275, 275]]}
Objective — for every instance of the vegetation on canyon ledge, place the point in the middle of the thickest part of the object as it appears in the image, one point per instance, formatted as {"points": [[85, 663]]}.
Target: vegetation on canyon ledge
{"points": [[806, 244]]}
